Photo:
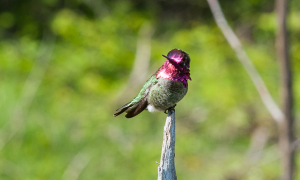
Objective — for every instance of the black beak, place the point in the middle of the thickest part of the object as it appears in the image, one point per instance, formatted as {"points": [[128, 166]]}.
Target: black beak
{"points": [[168, 58], [173, 62]]}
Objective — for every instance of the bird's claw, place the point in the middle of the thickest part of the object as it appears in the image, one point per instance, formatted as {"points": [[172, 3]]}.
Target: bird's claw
{"points": [[170, 108]]}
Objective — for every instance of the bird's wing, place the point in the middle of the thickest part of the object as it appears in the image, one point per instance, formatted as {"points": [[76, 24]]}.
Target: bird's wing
{"points": [[139, 103], [145, 90]]}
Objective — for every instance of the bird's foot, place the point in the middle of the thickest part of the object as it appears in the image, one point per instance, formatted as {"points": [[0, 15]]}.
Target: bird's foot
{"points": [[170, 108]]}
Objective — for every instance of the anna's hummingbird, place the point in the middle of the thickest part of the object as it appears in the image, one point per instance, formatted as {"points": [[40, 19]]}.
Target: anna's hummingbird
{"points": [[167, 86]]}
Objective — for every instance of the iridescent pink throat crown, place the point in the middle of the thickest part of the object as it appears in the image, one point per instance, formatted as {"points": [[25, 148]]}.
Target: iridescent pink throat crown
{"points": [[169, 71]]}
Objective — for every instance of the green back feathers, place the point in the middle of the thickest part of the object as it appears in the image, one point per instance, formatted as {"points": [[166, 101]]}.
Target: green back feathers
{"points": [[139, 103], [150, 82]]}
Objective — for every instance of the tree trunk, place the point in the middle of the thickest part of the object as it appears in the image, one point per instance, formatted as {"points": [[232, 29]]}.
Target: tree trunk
{"points": [[285, 127]]}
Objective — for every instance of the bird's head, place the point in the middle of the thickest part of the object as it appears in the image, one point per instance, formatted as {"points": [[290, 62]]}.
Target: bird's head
{"points": [[179, 58]]}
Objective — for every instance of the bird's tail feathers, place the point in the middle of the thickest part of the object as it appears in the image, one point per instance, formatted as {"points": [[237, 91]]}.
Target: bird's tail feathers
{"points": [[122, 109], [132, 109], [137, 108]]}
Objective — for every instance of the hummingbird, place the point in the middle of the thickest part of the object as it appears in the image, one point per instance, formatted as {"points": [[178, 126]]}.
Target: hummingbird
{"points": [[166, 87]]}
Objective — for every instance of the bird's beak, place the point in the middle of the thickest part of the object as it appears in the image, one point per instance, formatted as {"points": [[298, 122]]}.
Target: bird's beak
{"points": [[168, 58], [171, 60]]}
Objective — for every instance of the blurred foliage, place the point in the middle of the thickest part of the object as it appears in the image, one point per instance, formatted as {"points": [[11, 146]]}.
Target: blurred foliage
{"points": [[71, 112]]}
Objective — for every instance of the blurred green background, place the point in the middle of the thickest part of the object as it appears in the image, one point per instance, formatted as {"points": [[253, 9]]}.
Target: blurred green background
{"points": [[64, 69]]}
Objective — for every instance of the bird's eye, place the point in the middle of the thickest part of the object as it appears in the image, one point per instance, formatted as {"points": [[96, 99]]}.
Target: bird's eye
{"points": [[181, 64]]}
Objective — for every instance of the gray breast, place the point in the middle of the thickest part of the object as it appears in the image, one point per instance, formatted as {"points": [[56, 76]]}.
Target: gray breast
{"points": [[166, 93]]}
